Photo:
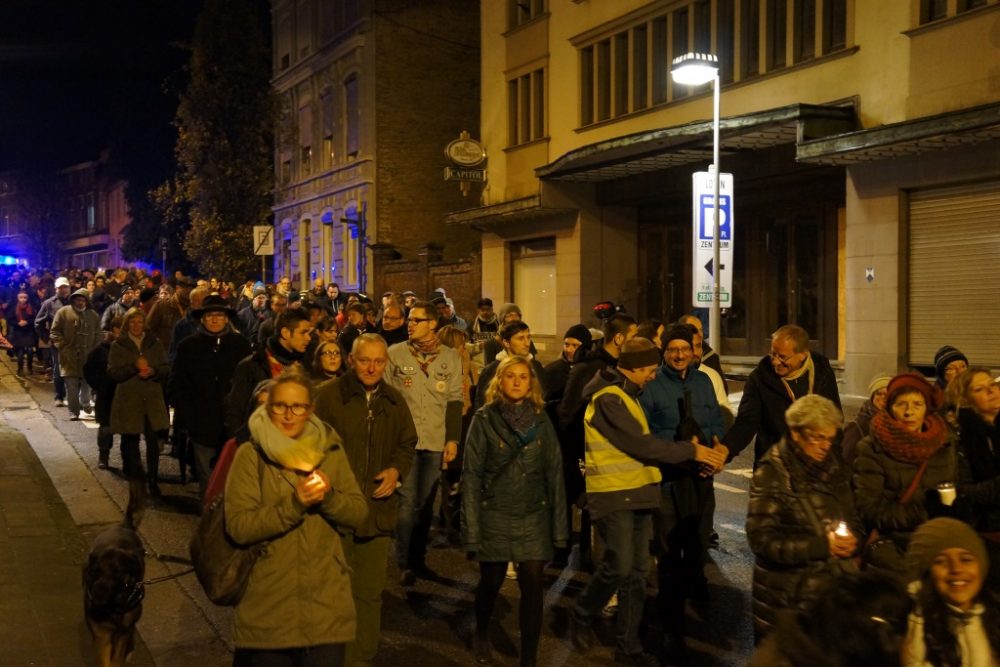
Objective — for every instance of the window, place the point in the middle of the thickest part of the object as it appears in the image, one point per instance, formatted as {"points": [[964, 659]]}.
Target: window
{"points": [[639, 68], [306, 159], [326, 119], [526, 108], [834, 25], [352, 118], [285, 177], [350, 238], [805, 30], [533, 272], [328, 153], [777, 25], [520, 12], [305, 140], [725, 38], [932, 10], [749, 38]]}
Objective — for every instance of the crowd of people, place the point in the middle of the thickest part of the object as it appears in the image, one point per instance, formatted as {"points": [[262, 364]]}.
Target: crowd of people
{"points": [[358, 419]]}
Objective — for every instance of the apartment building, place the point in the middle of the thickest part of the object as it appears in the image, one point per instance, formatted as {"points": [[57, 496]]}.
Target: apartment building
{"points": [[863, 138]]}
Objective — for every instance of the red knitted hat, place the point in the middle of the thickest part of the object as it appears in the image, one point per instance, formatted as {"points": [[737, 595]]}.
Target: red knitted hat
{"points": [[905, 383]]}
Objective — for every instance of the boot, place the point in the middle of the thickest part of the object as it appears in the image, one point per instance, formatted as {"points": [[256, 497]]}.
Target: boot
{"points": [[154, 488]]}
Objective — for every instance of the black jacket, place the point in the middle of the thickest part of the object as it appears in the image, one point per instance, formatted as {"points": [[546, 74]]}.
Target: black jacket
{"points": [[765, 399], [377, 435], [793, 562], [199, 381], [95, 372], [978, 485], [250, 372]]}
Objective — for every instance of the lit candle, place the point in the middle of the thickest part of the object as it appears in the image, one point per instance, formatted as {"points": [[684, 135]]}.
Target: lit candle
{"points": [[947, 492], [842, 529]]}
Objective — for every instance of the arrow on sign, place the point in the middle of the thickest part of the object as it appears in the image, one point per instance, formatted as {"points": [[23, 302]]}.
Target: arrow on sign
{"points": [[708, 267]]}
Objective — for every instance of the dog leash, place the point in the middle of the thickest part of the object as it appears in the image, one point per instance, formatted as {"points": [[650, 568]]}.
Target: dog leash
{"points": [[167, 559]]}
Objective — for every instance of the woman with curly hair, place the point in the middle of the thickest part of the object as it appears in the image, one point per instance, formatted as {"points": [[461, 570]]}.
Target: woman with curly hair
{"points": [[899, 465], [513, 500], [955, 622]]}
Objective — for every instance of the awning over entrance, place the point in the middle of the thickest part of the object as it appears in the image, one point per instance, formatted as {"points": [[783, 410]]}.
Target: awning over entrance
{"points": [[911, 137], [527, 209], [684, 144]]}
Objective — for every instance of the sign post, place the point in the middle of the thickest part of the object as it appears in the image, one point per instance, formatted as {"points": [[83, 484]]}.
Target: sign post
{"points": [[263, 244], [704, 254]]}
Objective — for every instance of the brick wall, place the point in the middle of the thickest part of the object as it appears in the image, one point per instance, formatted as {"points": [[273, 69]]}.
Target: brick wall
{"points": [[460, 279]]}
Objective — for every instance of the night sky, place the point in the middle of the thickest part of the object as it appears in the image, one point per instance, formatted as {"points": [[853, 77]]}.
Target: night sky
{"points": [[79, 75]]}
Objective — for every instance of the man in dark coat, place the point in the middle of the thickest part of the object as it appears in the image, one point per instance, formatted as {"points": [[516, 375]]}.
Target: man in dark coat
{"points": [[516, 340], [188, 325], [43, 327], [251, 317], [281, 352], [576, 344], [120, 307], [789, 372], [279, 304], [379, 438], [357, 324], [95, 372], [393, 326], [200, 378]]}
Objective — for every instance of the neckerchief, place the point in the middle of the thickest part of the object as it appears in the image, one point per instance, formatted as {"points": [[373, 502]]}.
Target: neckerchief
{"points": [[520, 417], [907, 446], [807, 367], [424, 351]]}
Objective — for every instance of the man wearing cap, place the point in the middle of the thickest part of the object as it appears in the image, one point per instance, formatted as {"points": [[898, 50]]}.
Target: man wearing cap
{"points": [[788, 372], [251, 317], [446, 313], [200, 378], [680, 404], [623, 490], [167, 312], [76, 330], [43, 325], [409, 298], [576, 344], [125, 301]]}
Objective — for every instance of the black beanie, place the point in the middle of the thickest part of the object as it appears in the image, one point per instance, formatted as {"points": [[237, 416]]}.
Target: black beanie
{"points": [[945, 356], [581, 333], [683, 332]]}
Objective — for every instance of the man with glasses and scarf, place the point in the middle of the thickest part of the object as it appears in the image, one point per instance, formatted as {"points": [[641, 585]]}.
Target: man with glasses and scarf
{"points": [[429, 376], [788, 373]]}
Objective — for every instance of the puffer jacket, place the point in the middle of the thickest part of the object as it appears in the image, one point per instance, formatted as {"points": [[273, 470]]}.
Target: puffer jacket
{"points": [[793, 562], [512, 512], [377, 434], [299, 592], [979, 471], [879, 482], [137, 398]]}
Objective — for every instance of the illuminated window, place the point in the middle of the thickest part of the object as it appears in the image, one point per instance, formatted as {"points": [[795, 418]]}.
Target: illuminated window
{"points": [[351, 117]]}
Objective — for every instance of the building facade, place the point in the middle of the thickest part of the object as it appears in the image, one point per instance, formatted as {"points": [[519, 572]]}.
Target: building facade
{"points": [[863, 139], [370, 94]]}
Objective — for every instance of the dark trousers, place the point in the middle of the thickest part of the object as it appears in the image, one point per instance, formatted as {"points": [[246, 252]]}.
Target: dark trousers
{"points": [[58, 384], [677, 528], [132, 462], [324, 655]]}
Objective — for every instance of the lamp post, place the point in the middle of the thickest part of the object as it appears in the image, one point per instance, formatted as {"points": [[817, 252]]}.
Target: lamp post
{"points": [[697, 69]]}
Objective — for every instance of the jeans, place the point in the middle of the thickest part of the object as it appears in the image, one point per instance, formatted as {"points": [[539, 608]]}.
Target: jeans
{"points": [[78, 395], [204, 460], [367, 558], [416, 494], [57, 380], [623, 568]]}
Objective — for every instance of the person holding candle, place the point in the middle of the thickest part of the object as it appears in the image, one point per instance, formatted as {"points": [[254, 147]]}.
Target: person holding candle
{"points": [[292, 487], [801, 521], [977, 398], [955, 623], [898, 468]]}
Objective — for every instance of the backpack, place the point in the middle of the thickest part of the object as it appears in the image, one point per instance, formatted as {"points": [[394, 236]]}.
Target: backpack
{"points": [[222, 566]]}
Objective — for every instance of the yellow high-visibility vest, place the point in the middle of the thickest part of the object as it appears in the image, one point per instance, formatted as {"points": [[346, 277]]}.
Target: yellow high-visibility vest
{"points": [[609, 468]]}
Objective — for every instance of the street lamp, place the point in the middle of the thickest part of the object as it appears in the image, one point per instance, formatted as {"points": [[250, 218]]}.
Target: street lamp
{"points": [[697, 69]]}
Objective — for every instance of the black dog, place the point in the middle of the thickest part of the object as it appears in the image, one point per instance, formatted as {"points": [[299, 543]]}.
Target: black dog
{"points": [[113, 584]]}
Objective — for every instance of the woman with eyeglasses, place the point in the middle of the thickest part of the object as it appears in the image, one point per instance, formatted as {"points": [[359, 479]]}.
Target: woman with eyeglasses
{"points": [[291, 487], [801, 522], [328, 361], [898, 468], [955, 621]]}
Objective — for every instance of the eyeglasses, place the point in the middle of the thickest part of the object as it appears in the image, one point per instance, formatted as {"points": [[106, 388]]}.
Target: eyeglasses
{"points": [[297, 409], [418, 320], [783, 358], [330, 353], [815, 438]]}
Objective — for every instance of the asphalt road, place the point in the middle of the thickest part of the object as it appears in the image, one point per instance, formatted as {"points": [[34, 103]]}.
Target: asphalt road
{"points": [[429, 624]]}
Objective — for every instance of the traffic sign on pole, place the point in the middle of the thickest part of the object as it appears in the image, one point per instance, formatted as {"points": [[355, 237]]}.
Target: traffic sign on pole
{"points": [[263, 240], [703, 269]]}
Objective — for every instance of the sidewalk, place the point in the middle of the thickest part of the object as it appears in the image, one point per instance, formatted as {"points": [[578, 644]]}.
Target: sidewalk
{"points": [[42, 551]]}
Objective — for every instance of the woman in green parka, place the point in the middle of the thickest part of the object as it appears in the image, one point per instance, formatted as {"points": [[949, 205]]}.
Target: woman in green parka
{"points": [[513, 499], [291, 487]]}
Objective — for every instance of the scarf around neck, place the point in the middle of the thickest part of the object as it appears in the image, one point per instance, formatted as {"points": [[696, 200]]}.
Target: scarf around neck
{"points": [[907, 446], [806, 367], [301, 454], [424, 347], [521, 417]]}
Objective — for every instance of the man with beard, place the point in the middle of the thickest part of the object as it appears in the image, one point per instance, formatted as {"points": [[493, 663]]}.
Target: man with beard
{"points": [[281, 352], [43, 327], [76, 330], [374, 422], [200, 378]]}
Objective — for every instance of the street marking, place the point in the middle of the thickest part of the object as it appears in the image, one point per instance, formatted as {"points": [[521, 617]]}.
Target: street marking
{"points": [[733, 527], [725, 487], [90, 424], [742, 472]]}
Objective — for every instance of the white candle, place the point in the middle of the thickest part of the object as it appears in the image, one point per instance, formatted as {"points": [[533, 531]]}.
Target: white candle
{"points": [[842, 529], [947, 493]]}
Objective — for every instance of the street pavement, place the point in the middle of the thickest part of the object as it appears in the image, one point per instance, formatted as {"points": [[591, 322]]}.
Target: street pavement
{"points": [[54, 500]]}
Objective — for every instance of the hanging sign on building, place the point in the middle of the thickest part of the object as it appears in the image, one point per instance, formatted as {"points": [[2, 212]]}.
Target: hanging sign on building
{"points": [[466, 155], [703, 268]]}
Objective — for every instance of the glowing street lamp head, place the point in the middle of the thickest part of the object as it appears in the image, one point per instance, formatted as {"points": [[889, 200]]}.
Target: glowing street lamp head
{"points": [[694, 69]]}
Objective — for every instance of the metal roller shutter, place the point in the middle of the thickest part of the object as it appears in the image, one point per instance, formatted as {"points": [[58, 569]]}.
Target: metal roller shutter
{"points": [[954, 273]]}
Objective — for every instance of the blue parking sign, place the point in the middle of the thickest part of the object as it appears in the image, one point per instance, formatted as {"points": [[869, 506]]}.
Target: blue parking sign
{"points": [[705, 211]]}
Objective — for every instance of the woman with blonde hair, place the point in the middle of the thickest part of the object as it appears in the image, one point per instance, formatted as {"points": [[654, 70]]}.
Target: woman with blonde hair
{"points": [[513, 500]]}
